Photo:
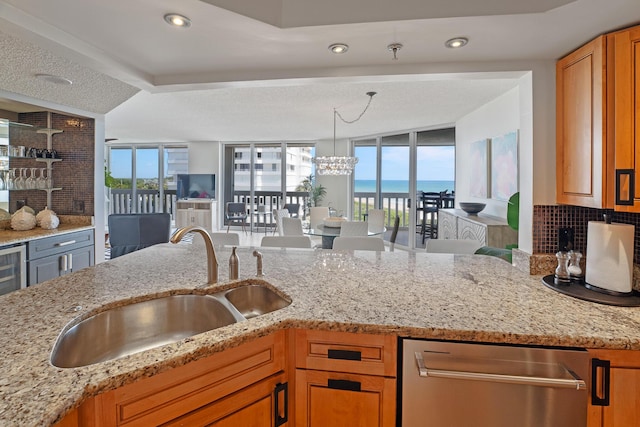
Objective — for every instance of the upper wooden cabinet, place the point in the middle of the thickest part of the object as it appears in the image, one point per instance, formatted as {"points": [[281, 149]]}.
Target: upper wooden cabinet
{"points": [[625, 47], [584, 159], [598, 123]]}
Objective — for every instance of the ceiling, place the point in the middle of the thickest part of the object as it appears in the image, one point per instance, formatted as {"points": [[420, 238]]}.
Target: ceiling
{"points": [[260, 71]]}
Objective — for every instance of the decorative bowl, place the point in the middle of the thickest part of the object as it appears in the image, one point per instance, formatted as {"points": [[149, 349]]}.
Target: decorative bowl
{"points": [[334, 221], [472, 208]]}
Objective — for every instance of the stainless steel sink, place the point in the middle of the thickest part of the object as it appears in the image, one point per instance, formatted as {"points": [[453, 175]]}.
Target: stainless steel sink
{"points": [[140, 326], [254, 300]]}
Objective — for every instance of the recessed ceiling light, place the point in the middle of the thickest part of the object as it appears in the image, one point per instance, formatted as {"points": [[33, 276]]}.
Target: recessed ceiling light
{"points": [[53, 79], [339, 48], [177, 20], [456, 42]]}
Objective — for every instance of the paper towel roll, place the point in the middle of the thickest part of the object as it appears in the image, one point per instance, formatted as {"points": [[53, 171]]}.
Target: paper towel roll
{"points": [[610, 256]]}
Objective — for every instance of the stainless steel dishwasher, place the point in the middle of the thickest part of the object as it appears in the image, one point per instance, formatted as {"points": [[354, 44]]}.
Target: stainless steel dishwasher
{"points": [[447, 384]]}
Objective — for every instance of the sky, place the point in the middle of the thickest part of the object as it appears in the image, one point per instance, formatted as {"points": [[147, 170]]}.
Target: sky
{"points": [[146, 163], [434, 163]]}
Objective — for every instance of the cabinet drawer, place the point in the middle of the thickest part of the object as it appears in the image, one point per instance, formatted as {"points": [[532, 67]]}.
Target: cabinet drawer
{"points": [[346, 352], [39, 248], [179, 391], [332, 399]]}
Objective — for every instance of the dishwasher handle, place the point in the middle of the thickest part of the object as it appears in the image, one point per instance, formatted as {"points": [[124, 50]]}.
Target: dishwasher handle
{"points": [[575, 383]]}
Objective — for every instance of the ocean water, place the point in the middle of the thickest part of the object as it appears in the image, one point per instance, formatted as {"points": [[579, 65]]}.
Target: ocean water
{"points": [[402, 186]]}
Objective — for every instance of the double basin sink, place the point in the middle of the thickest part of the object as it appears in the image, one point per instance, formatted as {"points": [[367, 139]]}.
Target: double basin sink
{"points": [[140, 326]]}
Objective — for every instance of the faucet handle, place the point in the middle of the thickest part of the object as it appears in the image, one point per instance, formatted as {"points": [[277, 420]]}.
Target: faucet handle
{"points": [[258, 255]]}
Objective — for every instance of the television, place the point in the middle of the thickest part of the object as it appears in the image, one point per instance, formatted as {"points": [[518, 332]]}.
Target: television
{"points": [[196, 186]]}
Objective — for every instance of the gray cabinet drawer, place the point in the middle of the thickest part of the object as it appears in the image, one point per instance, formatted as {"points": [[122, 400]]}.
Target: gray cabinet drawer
{"points": [[57, 244]]}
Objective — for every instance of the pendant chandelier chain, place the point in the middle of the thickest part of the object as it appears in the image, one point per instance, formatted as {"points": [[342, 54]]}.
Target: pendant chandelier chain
{"points": [[336, 113]]}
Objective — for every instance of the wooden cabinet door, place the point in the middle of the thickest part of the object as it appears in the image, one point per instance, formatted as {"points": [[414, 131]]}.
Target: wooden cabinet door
{"points": [[626, 53], [338, 399], [584, 160], [254, 406], [624, 390]]}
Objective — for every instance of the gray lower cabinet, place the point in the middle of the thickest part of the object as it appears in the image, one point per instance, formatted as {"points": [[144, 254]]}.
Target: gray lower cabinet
{"points": [[58, 255]]}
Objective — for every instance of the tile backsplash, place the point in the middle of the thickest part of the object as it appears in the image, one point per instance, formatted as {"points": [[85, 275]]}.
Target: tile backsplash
{"points": [[547, 220]]}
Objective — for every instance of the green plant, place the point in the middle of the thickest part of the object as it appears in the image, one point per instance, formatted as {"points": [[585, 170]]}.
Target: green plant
{"points": [[316, 192], [109, 181]]}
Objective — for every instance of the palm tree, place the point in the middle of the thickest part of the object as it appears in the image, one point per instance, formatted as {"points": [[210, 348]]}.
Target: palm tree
{"points": [[316, 192]]}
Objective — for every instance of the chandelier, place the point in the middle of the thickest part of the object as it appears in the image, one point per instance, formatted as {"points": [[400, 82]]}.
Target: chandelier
{"points": [[339, 165]]}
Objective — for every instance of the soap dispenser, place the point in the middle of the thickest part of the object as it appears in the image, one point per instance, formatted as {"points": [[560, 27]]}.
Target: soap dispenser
{"points": [[233, 264]]}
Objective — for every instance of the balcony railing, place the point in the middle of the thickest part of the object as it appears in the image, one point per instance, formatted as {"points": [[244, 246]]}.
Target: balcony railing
{"points": [[396, 205], [147, 201]]}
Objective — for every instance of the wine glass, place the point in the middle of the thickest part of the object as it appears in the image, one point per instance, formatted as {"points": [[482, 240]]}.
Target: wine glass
{"points": [[18, 182], [11, 179], [30, 183], [42, 180]]}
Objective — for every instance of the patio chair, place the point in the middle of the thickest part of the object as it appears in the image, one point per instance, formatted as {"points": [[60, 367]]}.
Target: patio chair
{"points": [[236, 212], [352, 243], [286, 242], [294, 209], [354, 228]]}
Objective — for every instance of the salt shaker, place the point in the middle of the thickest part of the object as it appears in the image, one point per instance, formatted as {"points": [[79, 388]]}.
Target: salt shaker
{"points": [[233, 264], [574, 265]]}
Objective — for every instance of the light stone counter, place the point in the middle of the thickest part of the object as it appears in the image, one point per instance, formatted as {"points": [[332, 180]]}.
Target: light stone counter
{"points": [[473, 298], [68, 224]]}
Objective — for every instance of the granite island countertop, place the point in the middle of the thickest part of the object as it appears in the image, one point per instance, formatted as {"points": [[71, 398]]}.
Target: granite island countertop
{"points": [[453, 297]]}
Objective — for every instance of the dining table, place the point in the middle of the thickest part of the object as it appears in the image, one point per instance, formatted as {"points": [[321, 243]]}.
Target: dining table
{"points": [[328, 234]]}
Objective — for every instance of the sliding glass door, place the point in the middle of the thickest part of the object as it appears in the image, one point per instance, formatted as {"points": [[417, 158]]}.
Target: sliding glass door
{"points": [[143, 178], [267, 176], [394, 170]]}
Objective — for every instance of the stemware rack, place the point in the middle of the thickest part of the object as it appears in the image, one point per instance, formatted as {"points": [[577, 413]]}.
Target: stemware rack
{"points": [[49, 132]]}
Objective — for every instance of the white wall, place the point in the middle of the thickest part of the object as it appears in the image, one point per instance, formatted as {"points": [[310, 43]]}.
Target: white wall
{"points": [[206, 157], [530, 108], [498, 117]]}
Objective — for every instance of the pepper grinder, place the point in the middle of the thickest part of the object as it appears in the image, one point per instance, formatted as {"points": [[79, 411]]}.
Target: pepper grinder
{"points": [[562, 273], [233, 264]]}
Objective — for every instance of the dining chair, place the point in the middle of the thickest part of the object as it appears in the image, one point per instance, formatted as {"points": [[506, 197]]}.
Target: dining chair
{"points": [[286, 242], [317, 215], [236, 212], [225, 239], [354, 228], [292, 227], [453, 246], [394, 234], [278, 214], [293, 208], [351, 243], [131, 232], [376, 220]]}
